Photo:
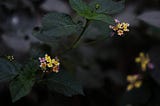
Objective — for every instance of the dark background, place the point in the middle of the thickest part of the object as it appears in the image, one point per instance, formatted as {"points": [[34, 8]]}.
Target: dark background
{"points": [[101, 66]]}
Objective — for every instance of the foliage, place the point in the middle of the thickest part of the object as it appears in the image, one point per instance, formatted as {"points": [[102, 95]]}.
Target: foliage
{"points": [[56, 26], [7, 70], [64, 83]]}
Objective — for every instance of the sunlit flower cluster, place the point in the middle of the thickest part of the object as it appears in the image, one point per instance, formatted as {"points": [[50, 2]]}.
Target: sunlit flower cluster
{"points": [[120, 28], [47, 64], [134, 82], [144, 61]]}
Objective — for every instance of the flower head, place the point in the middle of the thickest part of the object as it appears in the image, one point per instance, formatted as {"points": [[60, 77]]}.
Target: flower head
{"points": [[120, 27], [47, 64], [134, 82], [144, 61]]}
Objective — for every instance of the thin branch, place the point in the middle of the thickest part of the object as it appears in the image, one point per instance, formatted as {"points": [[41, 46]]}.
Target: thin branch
{"points": [[81, 35]]}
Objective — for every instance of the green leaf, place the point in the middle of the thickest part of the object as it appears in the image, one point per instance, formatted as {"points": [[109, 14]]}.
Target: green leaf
{"points": [[97, 29], [84, 10], [7, 70], [23, 83], [81, 7], [64, 83], [102, 17], [20, 87], [107, 6], [55, 26]]}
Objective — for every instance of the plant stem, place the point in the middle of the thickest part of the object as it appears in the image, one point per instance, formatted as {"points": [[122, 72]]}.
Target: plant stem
{"points": [[97, 41], [81, 35], [77, 41]]}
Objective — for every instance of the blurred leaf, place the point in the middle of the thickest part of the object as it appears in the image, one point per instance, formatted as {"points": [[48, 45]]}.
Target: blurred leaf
{"points": [[107, 6], [151, 17], [58, 21], [81, 7], [7, 70], [23, 83], [84, 10], [97, 29], [56, 26], [102, 17], [153, 32], [116, 77], [136, 97], [64, 83], [155, 59]]}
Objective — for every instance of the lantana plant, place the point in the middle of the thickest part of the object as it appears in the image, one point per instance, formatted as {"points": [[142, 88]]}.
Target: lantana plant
{"points": [[55, 26]]}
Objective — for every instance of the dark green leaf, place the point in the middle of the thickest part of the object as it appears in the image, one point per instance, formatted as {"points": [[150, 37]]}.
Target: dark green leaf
{"points": [[64, 83], [58, 21], [97, 29], [55, 26], [84, 10], [20, 87], [102, 17], [7, 70], [81, 7], [23, 83], [107, 6]]}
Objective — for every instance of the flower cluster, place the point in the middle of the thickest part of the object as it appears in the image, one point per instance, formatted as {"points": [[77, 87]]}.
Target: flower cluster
{"points": [[144, 61], [48, 64], [134, 82], [10, 58], [120, 27]]}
